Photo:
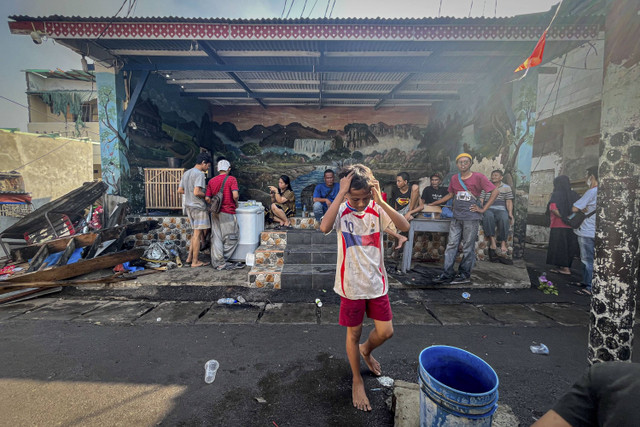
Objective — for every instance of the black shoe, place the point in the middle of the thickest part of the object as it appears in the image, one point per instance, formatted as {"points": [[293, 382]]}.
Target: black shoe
{"points": [[505, 261], [493, 256], [442, 279], [460, 280]]}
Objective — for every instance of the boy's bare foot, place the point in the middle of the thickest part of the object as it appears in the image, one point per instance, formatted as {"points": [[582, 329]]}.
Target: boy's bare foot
{"points": [[360, 399], [197, 264], [401, 241], [372, 363]]}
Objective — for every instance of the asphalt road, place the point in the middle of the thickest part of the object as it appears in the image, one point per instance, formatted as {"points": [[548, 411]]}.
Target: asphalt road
{"points": [[82, 373], [102, 358]]}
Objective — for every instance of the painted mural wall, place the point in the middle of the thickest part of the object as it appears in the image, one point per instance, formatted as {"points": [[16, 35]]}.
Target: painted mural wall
{"points": [[163, 130], [303, 142]]}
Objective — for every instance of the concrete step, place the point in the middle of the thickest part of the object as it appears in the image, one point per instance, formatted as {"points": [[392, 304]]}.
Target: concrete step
{"points": [[307, 237], [322, 253], [265, 276], [308, 276]]}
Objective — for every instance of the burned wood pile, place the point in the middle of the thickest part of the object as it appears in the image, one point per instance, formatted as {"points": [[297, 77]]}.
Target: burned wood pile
{"points": [[67, 238]]}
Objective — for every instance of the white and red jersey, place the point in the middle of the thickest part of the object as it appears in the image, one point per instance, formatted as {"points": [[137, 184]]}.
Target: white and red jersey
{"points": [[360, 272]]}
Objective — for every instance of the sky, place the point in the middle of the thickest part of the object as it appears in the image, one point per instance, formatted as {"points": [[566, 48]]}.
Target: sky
{"points": [[20, 53]]}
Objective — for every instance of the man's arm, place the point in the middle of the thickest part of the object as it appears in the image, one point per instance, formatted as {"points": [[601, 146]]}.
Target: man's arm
{"points": [[198, 192], [316, 197], [398, 220], [236, 196], [445, 199], [488, 203], [419, 208], [180, 190], [551, 419], [510, 210]]}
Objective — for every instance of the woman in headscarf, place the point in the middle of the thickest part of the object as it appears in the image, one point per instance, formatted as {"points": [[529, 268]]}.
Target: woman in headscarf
{"points": [[283, 202], [563, 244]]}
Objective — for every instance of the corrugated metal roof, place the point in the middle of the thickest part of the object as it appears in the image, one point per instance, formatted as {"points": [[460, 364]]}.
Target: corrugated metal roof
{"points": [[354, 69], [68, 75]]}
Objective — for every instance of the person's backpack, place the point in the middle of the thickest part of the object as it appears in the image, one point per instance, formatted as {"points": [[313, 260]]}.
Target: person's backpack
{"points": [[216, 199], [576, 219]]}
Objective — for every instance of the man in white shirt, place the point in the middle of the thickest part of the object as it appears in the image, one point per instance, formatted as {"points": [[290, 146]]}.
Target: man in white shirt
{"points": [[587, 231]]}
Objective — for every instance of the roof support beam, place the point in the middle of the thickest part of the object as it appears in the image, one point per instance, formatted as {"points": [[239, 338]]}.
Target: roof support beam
{"points": [[326, 96], [134, 99], [394, 90], [213, 55], [432, 67]]}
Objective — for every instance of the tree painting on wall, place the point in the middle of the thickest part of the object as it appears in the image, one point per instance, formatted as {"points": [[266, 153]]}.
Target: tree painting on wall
{"points": [[113, 144]]}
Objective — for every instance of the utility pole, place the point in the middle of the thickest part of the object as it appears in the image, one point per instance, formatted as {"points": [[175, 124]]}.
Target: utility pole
{"points": [[617, 252]]}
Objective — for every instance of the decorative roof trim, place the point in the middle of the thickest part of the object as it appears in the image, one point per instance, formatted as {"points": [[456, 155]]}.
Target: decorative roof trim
{"points": [[355, 31]]}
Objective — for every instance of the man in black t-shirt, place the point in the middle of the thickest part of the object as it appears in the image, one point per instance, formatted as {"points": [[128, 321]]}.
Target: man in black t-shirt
{"points": [[606, 395], [431, 193]]}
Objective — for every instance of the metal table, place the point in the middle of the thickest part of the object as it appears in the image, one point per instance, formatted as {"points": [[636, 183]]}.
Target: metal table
{"points": [[421, 224]]}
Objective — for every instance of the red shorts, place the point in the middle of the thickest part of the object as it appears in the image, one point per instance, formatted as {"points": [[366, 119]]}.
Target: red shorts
{"points": [[352, 310]]}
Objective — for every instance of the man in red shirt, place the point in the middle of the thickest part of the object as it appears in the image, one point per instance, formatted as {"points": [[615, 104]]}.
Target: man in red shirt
{"points": [[464, 189], [224, 226]]}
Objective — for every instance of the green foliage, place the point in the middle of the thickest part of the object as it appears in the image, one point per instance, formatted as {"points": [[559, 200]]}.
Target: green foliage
{"points": [[336, 155], [357, 156], [251, 149]]}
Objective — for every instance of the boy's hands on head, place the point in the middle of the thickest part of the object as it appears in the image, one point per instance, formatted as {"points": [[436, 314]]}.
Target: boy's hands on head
{"points": [[375, 191], [345, 183]]}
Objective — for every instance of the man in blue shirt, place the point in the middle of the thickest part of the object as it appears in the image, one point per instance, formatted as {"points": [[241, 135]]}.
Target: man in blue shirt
{"points": [[324, 194], [587, 231]]}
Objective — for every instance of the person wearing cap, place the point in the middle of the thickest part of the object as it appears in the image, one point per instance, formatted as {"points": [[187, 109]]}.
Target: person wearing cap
{"points": [[192, 185], [224, 225], [465, 189]]}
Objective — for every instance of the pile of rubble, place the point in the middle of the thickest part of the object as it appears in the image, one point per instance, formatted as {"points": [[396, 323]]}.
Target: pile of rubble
{"points": [[81, 232]]}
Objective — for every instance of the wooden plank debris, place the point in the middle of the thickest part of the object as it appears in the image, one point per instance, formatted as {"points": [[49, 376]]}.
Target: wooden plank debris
{"points": [[58, 245], [77, 269]]}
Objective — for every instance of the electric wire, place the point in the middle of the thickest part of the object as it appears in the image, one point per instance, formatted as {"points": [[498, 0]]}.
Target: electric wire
{"points": [[283, 9], [312, 7], [104, 30], [471, 7], [332, 6], [326, 9], [304, 6], [290, 6]]}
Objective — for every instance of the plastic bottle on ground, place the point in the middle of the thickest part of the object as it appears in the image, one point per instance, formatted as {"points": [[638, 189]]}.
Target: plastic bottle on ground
{"points": [[210, 369], [227, 301]]}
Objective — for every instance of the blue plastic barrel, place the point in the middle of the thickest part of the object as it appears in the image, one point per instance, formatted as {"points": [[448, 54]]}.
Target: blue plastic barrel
{"points": [[457, 388]]}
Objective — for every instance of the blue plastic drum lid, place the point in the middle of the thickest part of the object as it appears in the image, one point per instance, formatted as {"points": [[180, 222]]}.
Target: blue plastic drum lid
{"points": [[459, 377]]}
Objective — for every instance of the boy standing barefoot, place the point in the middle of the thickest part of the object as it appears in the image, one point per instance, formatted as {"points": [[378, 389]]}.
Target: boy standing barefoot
{"points": [[361, 279]]}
